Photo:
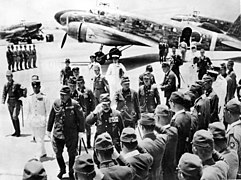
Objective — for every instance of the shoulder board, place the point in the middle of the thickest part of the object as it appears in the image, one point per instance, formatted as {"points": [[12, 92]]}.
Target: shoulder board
{"points": [[42, 94]]}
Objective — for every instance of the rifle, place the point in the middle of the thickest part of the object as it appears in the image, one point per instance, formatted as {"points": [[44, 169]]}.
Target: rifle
{"points": [[83, 145]]}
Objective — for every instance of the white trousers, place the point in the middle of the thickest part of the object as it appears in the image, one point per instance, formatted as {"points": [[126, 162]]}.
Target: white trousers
{"points": [[39, 133]]}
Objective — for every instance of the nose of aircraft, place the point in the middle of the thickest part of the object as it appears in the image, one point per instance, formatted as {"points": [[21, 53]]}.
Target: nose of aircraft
{"points": [[73, 29], [58, 15]]}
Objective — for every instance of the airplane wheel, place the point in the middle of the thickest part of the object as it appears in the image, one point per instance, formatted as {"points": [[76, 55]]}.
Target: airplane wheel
{"points": [[100, 57]]}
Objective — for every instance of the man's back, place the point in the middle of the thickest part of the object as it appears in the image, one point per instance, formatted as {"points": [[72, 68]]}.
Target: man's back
{"points": [[218, 171]]}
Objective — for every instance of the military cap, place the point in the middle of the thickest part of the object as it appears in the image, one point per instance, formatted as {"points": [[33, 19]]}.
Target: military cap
{"points": [[149, 68], [67, 60], [84, 165], [72, 80], [177, 97], [203, 138], [207, 78], [218, 130], [146, 76], [25, 45], [165, 64], [147, 119], [212, 73], [34, 169], [103, 142], [162, 110], [105, 97], [65, 90], [125, 80], [230, 62], [80, 79], [195, 87], [35, 78], [128, 135], [75, 69], [223, 66], [9, 73], [233, 106], [190, 165]]}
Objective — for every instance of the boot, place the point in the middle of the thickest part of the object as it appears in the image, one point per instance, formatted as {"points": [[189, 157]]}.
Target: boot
{"points": [[17, 128], [14, 126], [88, 140], [71, 164], [61, 164]]}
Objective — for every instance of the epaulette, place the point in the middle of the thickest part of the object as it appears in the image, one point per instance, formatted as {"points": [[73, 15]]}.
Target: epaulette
{"points": [[42, 94]]}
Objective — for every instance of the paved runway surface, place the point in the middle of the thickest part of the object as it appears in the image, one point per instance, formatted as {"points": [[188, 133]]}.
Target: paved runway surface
{"points": [[15, 152]]}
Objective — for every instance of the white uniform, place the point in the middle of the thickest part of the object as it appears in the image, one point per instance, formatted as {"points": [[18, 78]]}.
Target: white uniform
{"points": [[220, 87], [38, 110], [192, 69], [113, 77]]}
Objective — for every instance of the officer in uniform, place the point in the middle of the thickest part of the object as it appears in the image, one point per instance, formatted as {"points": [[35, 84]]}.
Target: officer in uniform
{"points": [[18, 58], [9, 55], [232, 75], [128, 103], [30, 59], [169, 83], [106, 119], [21, 58], [148, 95], [162, 117], [14, 58], [203, 64], [163, 51], [231, 116], [68, 120], [13, 91], [212, 96], [189, 167], [89, 104], [75, 71], [100, 86], [202, 146], [220, 145], [26, 57], [38, 110], [104, 148], [65, 73], [182, 121], [141, 162], [34, 56], [153, 144], [176, 61], [149, 71]]}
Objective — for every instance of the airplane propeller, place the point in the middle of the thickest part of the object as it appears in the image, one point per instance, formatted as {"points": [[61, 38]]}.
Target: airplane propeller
{"points": [[63, 41]]}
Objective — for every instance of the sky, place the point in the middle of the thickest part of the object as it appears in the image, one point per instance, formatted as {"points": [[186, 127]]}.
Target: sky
{"points": [[13, 11]]}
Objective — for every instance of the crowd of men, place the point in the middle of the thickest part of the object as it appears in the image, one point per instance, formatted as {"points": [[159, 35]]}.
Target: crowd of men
{"points": [[20, 57], [195, 135]]}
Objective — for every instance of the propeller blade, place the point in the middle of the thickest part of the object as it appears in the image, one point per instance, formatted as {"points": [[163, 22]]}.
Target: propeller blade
{"points": [[63, 41]]}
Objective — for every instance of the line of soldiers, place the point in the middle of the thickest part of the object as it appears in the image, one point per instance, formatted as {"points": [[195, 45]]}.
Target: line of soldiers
{"points": [[20, 57]]}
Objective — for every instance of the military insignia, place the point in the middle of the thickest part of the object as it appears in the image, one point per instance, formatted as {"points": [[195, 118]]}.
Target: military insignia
{"points": [[113, 120], [40, 98], [232, 145]]}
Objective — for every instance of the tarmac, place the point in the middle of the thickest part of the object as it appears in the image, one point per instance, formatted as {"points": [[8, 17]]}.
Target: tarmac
{"points": [[16, 151]]}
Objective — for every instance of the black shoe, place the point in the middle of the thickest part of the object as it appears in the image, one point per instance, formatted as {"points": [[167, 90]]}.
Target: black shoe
{"points": [[89, 146], [61, 173], [13, 70], [71, 176], [17, 135], [14, 134]]}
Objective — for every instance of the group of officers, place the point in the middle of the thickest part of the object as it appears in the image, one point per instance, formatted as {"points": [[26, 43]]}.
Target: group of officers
{"points": [[20, 57], [193, 136]]}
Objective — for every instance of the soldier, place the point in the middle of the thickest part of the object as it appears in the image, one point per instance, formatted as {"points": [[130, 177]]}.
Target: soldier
{"points": [[30, 59], [153, 144], [104, 148], [38, 110], [128, 103], [183, 49], [212, 96], [182, 121], [169, 83], [100, 86], [65, 73], [9, 55], [220, 145], [203, 64], [202, 146], [176, 61], [106, 119], [148, 95], [26, 57], [163, 117], [67, 117], [14, 58], [75, 71], [163, 50], [231, 116], [18, 59], [232, 75], [141, 162], [89, 104], [74, 94], [149, 71], [91, 69], [21, 58], [13, 90], [189, 167], [34, 56]]}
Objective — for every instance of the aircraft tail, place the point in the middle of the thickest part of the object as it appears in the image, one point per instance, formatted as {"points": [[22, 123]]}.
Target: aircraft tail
{"points": [[235, 29]]}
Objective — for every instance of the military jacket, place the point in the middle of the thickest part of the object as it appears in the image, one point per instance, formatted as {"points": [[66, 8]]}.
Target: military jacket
{"points": [[89, 100], [169, 84], [175, 63], [26, 54], [9, 55], [100, 86], [12, 90], [149, 98], [203, 63], [214, 100], [141, 82], [67, 119]]}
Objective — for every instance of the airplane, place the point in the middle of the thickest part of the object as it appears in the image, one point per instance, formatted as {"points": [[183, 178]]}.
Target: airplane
{"points": [[22, 32], [212, 24], [116, 28]]}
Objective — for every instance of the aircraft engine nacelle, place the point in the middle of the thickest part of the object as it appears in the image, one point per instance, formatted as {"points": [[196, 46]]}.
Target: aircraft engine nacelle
{"points": [[196, 37]]}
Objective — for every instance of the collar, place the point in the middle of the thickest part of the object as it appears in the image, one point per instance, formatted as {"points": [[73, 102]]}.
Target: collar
{"points": [[106, 164], [130, 154], [234, 124], [208, 162], [178, 112]]}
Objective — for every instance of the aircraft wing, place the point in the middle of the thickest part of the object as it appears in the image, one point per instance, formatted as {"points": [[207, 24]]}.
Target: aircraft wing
{"points": [[234, 44]]}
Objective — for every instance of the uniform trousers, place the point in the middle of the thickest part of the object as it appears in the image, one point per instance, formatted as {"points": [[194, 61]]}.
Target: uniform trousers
{"points": [[39, 133], [14, 110]]}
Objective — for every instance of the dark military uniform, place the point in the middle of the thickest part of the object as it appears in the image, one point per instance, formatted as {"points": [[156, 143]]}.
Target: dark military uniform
{"points": [[149, 98], [21, 54], [203, 65], [128, 104], [100, 87], [233, 87], [175, 63], [65, 74], [34, 57], [14, 104], [18, 59], [213, 97], [30, 58], [26, 57], [163, 51], [9, 55], [152, 77], [15, 60], [67, 119]]}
